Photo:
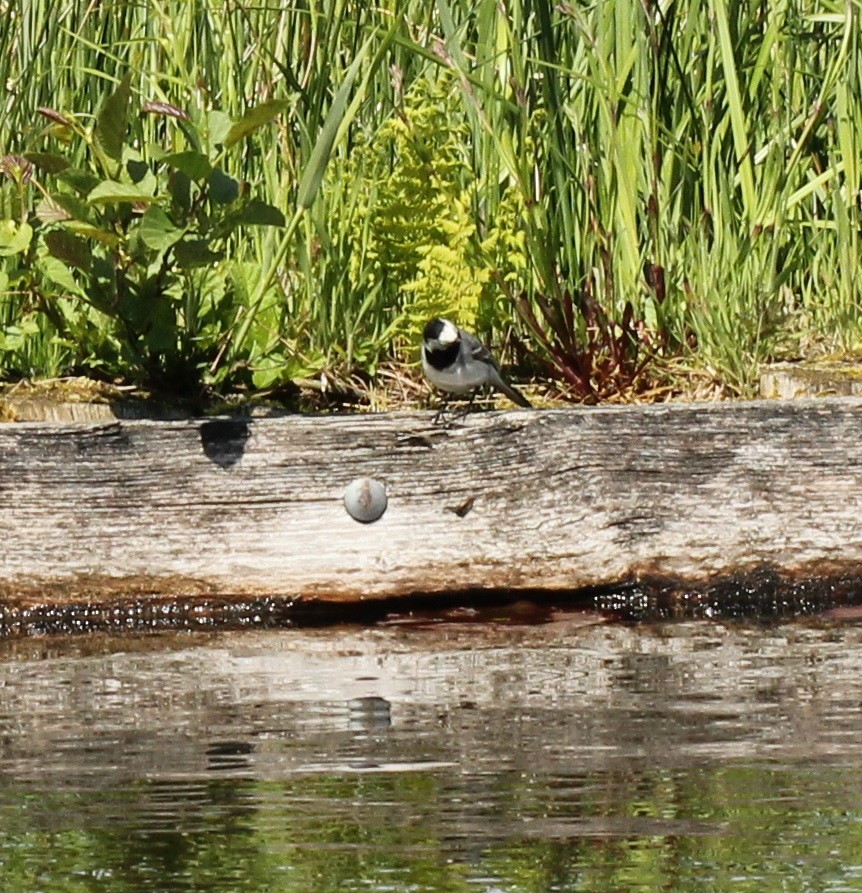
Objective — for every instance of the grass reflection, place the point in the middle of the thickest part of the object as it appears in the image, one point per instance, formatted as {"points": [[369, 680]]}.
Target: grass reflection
{"points": [[708, 828]]}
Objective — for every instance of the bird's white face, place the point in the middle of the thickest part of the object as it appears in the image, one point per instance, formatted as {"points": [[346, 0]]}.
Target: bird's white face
{"points": [[448, 334]]}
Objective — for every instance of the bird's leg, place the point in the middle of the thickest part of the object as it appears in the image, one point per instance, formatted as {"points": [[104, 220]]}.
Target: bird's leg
{"points": [[440, 417], [447, 415], [464, 410]]}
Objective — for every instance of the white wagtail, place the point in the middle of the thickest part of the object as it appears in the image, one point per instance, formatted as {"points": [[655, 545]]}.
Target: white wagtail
{"points": [[455, 361]]}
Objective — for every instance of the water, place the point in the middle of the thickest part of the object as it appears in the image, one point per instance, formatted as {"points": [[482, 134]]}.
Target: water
{"points": [[475, 757]]}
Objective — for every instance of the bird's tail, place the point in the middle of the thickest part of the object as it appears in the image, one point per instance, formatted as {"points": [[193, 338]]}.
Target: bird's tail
{"points": [[509, 391]]}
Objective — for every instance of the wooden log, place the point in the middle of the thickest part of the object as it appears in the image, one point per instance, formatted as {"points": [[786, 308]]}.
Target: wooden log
{"points": [[522, 502], [821, 378]]}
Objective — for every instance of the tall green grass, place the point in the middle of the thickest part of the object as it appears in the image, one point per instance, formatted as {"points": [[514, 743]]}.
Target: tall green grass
{"points": [[685, 175]]}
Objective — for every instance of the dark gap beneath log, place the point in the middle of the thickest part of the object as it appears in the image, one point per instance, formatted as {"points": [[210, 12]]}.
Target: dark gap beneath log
{"points": [[761, 593]]}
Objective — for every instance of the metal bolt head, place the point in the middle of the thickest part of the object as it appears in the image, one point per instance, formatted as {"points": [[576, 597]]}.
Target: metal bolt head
{"points": [[365, 499]]}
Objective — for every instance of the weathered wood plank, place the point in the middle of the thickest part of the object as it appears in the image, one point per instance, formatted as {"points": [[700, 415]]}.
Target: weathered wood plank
{"points": [[823, 378], [560, 500]]}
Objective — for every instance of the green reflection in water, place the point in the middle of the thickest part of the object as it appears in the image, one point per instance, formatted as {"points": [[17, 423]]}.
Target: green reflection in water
{"points": [[747, 828]]}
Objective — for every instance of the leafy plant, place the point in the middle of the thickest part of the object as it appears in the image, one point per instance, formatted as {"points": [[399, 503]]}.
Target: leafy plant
{"points": [[591, 355], [413, 230], [140, 237]]}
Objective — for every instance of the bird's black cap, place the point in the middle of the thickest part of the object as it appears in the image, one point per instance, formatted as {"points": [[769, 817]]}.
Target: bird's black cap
{"points": [[433, 329]]}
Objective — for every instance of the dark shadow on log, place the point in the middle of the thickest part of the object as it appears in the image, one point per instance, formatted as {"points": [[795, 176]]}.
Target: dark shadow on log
{"points": [[223, 440]]}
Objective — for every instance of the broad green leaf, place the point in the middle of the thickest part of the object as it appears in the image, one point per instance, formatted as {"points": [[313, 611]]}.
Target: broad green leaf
{"points": [[148, 182], [56, 271], [195, 253], [219, 125], [48, 161], [29, 325], [255, 118], [259, 213], [270, 371], [110, 192], [80, 180], [276, 368], [48, 211], [14, 237], [69, 248], [157, 230], [194, 165], [89, 231], [73, 206], [12, 337], [179, 185], [302, 367], [112, 119], [137, 169], [161, 322], [223, 189]]}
